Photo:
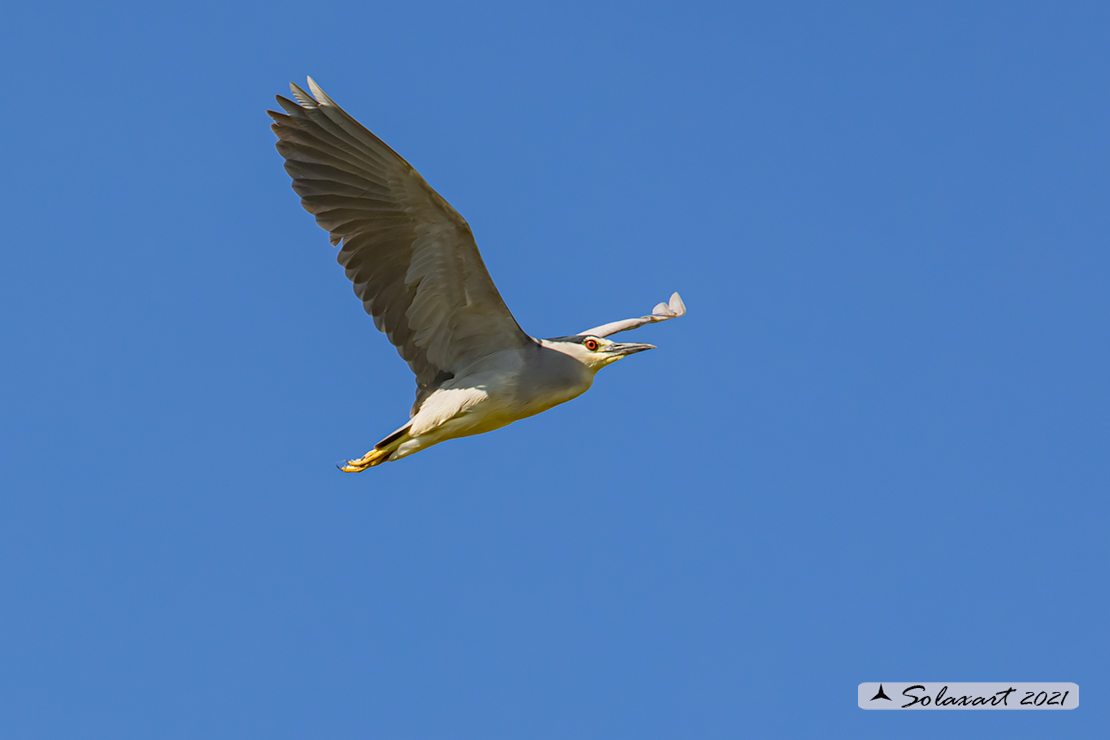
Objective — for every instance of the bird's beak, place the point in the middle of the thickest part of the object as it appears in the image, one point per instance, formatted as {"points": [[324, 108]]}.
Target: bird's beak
{"points": [[628, 348]]}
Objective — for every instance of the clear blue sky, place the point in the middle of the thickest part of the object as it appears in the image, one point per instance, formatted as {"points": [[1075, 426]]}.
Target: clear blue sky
{"points": [[875, 449]]}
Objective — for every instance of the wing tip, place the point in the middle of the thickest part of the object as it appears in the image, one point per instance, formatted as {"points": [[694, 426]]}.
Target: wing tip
{"points": [[317, 99], [676, 305], [672, 309], [318, 93], [305, 100]]}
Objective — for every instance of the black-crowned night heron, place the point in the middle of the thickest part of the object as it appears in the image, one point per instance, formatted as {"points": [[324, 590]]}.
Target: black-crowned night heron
{"points": [[416, 268]]}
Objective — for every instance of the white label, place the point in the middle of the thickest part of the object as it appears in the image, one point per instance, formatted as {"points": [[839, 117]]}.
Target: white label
{"points": [[978, 695]]}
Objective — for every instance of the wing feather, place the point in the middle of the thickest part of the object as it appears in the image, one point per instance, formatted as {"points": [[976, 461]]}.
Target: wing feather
{"points": [[410, 256]]}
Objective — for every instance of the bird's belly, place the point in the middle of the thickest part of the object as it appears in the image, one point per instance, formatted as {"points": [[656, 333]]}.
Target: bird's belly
{"points": [[538, 403], [482, 402], [478, 419]]}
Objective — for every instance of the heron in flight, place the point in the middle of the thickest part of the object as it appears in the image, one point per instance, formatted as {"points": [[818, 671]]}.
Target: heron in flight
{"points": [[416, 268]]}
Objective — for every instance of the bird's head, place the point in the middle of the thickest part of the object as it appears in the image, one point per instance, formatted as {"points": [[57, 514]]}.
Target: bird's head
{"points": [[594, 352]]}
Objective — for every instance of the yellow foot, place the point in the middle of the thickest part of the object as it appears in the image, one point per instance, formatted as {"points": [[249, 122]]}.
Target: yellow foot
{"points": [[369, 460]]}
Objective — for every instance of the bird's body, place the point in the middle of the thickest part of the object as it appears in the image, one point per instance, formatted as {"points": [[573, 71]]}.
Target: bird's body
{"points": [[414, 264], [492, 394]]}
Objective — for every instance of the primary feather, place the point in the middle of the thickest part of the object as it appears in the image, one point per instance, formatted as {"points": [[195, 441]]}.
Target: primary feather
{"points": [[410, 255]]}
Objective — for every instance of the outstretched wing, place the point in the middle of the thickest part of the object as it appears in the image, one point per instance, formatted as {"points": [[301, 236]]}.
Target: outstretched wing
{"points": [[411, 256], [662, 312]]}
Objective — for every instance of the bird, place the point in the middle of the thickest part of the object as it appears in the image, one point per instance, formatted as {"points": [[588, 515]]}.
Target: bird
{"points": [[416, 268]]}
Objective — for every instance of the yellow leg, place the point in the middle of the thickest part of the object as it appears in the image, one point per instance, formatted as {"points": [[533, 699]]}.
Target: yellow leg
{"points": [[369, 460]]}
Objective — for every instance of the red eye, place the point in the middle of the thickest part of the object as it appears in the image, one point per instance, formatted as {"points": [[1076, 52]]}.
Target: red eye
{"points": [[591, 345]]}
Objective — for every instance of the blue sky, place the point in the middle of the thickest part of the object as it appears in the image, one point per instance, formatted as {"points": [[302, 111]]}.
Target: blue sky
{"points": [[875, 449]]}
